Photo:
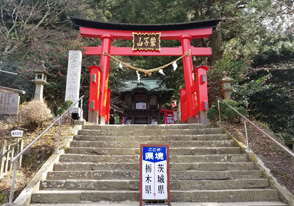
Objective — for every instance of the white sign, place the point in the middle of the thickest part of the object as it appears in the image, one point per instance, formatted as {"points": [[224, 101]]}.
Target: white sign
{"points": [[141, 105], [73, 76], [170, 119], [16, 133], [154, 173]]}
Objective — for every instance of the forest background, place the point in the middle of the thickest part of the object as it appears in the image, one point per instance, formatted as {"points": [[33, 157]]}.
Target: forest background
{"points": [[253, 43]]}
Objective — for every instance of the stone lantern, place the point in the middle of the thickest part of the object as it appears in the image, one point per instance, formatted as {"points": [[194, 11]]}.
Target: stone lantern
{"points": [[226, 85], [40, 80]]}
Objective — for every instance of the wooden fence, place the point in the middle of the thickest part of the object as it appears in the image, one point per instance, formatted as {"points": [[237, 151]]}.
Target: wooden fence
{"points": [[7, 153]]}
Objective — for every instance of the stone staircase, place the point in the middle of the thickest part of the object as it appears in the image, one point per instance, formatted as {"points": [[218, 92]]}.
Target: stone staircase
{"points": [[102, 165]]}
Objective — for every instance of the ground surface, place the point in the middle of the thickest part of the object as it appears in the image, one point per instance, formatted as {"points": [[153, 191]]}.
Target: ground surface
{"points": [[279, 162], [33, 159]]}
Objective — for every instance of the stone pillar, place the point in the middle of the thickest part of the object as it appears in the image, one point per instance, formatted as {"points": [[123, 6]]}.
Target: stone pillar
{"points": [[226, 86], [72, 91], [40, 80], [39, 90]]}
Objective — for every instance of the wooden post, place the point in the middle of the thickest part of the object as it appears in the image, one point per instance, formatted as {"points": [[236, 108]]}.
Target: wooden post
{"points": [[2, 158], [12, 147], [7, 153], [6, 159]]}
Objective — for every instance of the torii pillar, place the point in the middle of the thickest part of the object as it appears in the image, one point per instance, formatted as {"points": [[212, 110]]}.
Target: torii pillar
{"points": [[104, 62]]}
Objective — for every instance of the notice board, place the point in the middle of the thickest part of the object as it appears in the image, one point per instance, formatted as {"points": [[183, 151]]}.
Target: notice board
{"points": [[154, 173]]}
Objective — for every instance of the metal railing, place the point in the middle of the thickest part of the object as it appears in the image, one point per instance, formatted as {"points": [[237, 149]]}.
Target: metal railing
{"points": [[254, 125], [14, 161]]}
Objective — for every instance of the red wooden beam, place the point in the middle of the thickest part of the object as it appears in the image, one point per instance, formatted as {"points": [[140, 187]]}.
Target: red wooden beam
{"points": [[165, 35], [165, 51]]}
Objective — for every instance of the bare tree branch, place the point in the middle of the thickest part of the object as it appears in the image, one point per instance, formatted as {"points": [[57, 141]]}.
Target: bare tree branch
{"points": [[31, 12], [291, 9], [2, 19], [14, 20]]}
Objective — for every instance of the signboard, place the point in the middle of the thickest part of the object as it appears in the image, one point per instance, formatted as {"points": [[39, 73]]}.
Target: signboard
{"points": [[141, 105], [16, 133], [8, 102], [154, 178], [170, 119], [146, 41]]}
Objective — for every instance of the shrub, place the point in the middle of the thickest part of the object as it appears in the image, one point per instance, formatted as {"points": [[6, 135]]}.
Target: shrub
{"points": [[212, 113], [65, 105], [34, 113], [226, 112]]}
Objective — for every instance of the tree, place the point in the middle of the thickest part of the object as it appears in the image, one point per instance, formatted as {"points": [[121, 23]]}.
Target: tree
{"points": [[252, 34]]}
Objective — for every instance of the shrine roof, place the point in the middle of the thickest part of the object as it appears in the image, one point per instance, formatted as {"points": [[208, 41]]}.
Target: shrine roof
{"points": [[78, 22], [151, 85]]}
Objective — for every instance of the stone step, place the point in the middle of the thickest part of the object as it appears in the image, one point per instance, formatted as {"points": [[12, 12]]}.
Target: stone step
{"points": [[135, 175], [211, 166], [117, 144], [136, 151], [235, 195], [135, 184], [136, 158], [161, 126], [121, 138], [140, 132], [173, 204]]}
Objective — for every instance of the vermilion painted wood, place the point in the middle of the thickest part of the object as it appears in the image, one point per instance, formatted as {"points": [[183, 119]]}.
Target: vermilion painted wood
{"points": [[165, 51], [183, 99], [165, 35], [94, 94], [193, 101], [104, 62], [201, 86], [188, 67], [166, 112], [107, 115]]}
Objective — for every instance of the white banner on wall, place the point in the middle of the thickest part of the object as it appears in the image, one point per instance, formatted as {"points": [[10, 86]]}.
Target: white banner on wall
{"points": [[141, 105]]}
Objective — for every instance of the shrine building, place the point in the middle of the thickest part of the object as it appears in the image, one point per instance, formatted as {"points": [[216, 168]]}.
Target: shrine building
{"points": [[142, 99]]}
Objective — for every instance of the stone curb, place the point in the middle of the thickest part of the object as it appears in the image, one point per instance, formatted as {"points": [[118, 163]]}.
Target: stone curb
{"points": [[285, 195]]}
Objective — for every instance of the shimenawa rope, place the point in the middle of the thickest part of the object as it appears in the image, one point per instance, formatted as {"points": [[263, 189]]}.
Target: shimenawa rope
{"points": [[149, 71]]}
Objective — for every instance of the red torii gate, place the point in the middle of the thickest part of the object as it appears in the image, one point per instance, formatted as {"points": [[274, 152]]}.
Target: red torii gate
{"points": [[195, 86]]}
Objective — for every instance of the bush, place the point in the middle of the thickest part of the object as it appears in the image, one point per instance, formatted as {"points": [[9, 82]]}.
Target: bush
{"points": [[65, 105], [226, 112], [212, 113], [34, 113]]}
